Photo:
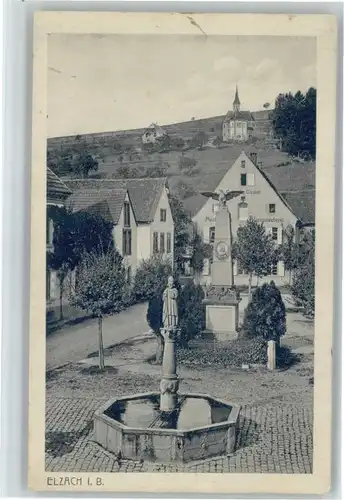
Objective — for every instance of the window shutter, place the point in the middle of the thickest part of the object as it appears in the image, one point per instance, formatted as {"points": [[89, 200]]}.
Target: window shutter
{"points": [[269, 231], [280, 268], [250, 179]]}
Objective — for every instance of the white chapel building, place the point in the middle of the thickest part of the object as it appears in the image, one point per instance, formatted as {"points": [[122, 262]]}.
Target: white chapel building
{"points": [[261, 200]]}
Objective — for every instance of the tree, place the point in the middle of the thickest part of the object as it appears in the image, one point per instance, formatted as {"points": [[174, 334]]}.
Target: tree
{"points": [[158, 170], [163, 143], [187, 165], [254, 250], [184, 190], [294, 122], [99, 289], [149, 283], [75, 234], [59, 163], [200, 251], [199, 140], [289, 251], [191, 312], [177, 143], [265, 314], [303, 285], [217, 141], [83, 163], [182, 224], [150, 276]]}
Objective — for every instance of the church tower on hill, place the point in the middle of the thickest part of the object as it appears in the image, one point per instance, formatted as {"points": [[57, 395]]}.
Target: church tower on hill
{"points": [[237, 125], [236, 102]]}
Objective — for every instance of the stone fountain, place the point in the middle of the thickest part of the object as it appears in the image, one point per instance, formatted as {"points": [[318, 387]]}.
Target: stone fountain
{"points": [[168, 426]]}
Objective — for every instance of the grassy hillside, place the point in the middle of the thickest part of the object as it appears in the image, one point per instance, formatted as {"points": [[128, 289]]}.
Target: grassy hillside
{"points": [[210, 163]]}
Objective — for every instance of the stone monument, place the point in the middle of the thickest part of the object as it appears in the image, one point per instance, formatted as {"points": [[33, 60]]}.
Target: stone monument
{"points": [[167, 426], [169, 383], [222, 299]]}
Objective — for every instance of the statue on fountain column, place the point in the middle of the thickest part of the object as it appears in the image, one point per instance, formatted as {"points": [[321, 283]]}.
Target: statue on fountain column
{"points": [[170, 306], [169, 383]]}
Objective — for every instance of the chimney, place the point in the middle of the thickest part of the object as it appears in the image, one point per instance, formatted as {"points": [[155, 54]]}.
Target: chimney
{"points": [[253, 157]]}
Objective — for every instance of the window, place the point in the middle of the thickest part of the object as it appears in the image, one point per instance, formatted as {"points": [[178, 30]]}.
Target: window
{"points": [[272, 208], [155, 242], [243, 179], [243, 211], [126, 214], [274, 233], [168, 243], [243, 163], [50, 230], [212, 234], [274, 269], [162, 215], [162, 242], [47, 288], [126, 242]]}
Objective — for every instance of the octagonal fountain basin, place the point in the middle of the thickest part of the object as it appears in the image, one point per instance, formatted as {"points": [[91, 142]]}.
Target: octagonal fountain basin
{"points": [[200, 427]]}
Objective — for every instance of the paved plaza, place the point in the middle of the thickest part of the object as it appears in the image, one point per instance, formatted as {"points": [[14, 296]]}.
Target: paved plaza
{"points": [[276, 420]]}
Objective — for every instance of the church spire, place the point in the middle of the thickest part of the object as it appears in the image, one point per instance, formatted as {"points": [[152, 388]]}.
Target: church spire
{"points": [[236, 102]]}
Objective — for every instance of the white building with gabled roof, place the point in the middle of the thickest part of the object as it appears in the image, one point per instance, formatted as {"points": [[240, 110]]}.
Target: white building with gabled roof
{"points": [[260, 200], [152, 133]]}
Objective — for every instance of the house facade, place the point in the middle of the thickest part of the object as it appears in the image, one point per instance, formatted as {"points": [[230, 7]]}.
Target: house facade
{"points": [[261, 200], [139, 210], [238, 125], [152, 133], [57, 194]]}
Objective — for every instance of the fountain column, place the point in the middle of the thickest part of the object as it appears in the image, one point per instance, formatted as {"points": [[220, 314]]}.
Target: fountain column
{"points": [[169, 383]]}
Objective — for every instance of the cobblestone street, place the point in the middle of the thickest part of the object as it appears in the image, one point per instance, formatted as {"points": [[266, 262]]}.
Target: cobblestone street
{"points": [[275, 438], [276, 420]]}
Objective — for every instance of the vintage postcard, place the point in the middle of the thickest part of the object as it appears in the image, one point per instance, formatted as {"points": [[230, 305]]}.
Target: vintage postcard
{"points": [[182, 252]]}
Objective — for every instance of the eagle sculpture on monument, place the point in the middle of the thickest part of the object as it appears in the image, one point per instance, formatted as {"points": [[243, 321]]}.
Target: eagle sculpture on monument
{"points": [[222, 196]]}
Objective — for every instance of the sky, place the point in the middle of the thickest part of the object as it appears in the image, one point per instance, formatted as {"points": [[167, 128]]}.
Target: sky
{"points": [[99, 83]]}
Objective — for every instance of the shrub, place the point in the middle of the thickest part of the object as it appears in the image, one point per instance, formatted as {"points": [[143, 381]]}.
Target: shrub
{"points": [[177, 143], [151, 278], [265, 314], [241, 351], [191, 312]]}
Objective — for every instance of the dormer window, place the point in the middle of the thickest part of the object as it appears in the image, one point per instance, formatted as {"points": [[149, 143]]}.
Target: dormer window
{"points": [[126, 214]]}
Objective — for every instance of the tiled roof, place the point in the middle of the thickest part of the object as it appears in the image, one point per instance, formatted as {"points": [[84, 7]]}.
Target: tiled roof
{"points": [[302, 204], [293, 177], [55, 186], [239, 115], [144, 193], [105, 202]]}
